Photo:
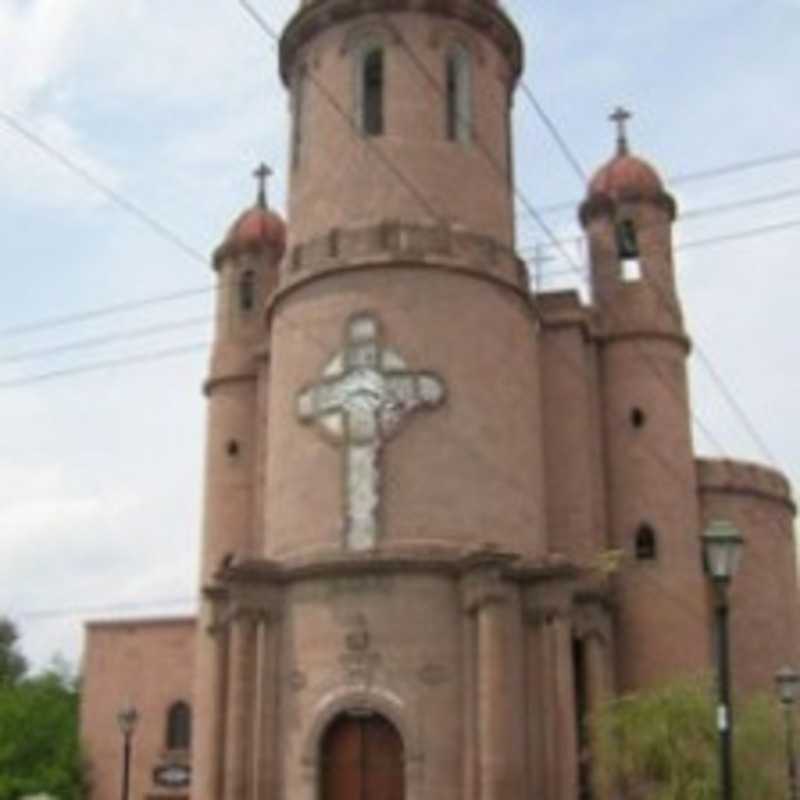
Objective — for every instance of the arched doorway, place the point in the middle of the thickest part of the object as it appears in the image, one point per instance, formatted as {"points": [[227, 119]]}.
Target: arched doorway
{"points": [[362, 759]]}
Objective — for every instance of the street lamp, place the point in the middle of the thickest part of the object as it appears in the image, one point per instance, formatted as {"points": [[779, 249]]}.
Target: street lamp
{"points": [[722, 549], [127, 718], [787, 681]]}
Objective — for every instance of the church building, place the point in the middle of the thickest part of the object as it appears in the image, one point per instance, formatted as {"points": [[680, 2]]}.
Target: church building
{"points": [[446, 515]]}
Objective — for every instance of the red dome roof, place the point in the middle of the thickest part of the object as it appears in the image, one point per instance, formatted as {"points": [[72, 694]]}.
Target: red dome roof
{"points": [[255, 229], [626, 176]]}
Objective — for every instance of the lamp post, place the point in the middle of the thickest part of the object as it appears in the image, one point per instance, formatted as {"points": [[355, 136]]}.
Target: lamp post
{"points": [[722, 548], [127, 718], [787, 681]]}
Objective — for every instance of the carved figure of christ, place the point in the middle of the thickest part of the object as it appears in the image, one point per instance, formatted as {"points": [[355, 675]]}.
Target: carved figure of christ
{"points": [[365, 394]]}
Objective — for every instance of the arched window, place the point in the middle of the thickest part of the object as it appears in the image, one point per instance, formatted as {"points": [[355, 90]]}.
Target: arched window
{"points": [[458, 80], [362, 756], [298, 114], [646, 544], [628, 250], [179, 726], [370, 99], [247, 291]]}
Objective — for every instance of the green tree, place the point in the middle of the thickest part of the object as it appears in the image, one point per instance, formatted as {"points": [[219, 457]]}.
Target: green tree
{"points": [[662, 745], [12, 664], [39, 740]]}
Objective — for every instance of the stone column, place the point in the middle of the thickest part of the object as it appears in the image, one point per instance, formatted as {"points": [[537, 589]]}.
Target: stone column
{"points": [[487, 594], [539, 743], [469, 706], [493, 718], [265, 760], [562, 682], [550, 681], [210, 696], [241, 673]]}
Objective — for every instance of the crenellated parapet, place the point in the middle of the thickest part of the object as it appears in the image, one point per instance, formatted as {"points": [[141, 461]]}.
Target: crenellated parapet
{"points": [[725, 476], [395, 243]]}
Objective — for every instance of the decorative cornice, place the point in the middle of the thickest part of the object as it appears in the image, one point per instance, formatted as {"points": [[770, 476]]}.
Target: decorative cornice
{"points": [[485, 18], [215, 381], [611, 337]]}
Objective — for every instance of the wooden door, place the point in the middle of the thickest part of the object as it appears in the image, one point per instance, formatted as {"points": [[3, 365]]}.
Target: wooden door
{"points": [[362, 759]]}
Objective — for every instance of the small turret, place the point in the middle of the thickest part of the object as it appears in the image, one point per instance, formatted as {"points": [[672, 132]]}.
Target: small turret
{"points": [[652, 501], [247, 265]]}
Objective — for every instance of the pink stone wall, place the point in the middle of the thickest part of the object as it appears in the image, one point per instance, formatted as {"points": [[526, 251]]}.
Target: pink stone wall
{"points": [[149, 664], [343, 180], [465, 473]]}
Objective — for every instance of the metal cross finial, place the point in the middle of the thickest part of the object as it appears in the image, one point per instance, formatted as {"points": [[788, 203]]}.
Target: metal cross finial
{"points": [[262, 174], [620, 117]]}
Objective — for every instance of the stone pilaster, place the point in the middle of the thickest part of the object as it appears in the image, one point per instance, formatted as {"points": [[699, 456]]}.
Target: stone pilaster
{"points": [[551, 694], [487, 597], [241, 670], [265, 761]]}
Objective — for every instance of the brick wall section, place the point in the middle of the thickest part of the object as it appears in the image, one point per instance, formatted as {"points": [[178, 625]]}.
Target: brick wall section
{"points": [[150, 664]]}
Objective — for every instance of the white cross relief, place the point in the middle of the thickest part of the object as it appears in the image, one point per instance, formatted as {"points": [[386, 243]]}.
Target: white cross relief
{"points": [[366, 392]]}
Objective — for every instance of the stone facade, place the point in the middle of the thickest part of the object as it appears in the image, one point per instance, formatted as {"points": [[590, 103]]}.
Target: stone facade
{"points": [[432, 495]]}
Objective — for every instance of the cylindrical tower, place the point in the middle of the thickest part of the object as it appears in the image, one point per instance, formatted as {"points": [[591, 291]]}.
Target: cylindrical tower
{"points": [[402, 304], [651, 482], [247, 268], [394, 105], [246, 264], [764, 611]]}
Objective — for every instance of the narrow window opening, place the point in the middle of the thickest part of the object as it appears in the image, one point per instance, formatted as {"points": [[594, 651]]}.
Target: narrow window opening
{"points": [[372, 91], [638, 418], [628, 251], [646, 544], [298, 113], [232, 448], [247, 291], [179, 727], [459, 91]]}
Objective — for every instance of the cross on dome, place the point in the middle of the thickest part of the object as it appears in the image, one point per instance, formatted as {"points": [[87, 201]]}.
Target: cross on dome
{"points": [[621, 116], [262, 174]]}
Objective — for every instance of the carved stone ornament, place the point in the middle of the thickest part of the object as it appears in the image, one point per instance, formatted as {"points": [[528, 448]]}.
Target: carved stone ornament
{"points": [[365, 394]]}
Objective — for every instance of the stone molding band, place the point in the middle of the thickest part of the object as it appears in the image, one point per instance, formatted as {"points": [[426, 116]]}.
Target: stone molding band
{"points": [[487, 19], [602, 205]]}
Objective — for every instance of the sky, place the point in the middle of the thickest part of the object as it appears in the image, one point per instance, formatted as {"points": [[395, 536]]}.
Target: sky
{"points": [[168, 107]]}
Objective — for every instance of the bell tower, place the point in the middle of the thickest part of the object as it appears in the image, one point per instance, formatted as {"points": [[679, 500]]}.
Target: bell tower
{"points": [[649, 460]]}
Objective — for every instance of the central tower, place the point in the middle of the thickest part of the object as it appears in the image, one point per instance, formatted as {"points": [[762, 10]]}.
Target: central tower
{"points": [[401, 289]]}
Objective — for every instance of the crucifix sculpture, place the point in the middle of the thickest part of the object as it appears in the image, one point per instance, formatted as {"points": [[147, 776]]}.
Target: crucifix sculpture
{"points": [[365, 394]]}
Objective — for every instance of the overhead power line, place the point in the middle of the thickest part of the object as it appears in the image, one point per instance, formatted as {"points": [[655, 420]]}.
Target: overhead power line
{"points": [[103, 365], [723, 170], [554, 132], [101, 341], [112, 194]]}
